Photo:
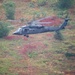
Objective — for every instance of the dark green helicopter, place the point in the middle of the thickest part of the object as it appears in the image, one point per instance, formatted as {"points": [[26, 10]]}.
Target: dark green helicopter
{"points": [[35, 27]]}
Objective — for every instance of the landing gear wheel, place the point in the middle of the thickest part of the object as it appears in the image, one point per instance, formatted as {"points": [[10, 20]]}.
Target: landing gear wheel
{"points": [[26, 36]]}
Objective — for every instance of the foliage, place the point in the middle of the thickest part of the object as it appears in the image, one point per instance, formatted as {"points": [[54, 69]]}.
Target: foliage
{"points": [[39, 14], [62, 4], [3, 29], [69, 55], [33, 0], [58, 36], [41, 2], [9, 7], [62, 13], [32, 54], [31, 4]]}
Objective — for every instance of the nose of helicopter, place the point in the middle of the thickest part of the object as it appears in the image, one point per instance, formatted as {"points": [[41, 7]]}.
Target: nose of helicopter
{"points": [[16, 33]]}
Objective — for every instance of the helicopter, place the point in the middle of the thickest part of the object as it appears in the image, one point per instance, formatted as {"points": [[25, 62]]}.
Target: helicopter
{"points": [[35, 27]]}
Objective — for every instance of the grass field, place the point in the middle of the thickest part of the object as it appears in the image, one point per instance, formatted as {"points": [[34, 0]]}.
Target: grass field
{"points": [[39, 54]]}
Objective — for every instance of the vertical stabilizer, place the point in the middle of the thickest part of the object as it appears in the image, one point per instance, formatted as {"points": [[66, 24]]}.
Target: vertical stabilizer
{"points": [[64, 24]]}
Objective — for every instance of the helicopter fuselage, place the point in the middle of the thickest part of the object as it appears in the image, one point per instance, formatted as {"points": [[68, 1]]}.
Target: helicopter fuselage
{"points": [[25, 30]]}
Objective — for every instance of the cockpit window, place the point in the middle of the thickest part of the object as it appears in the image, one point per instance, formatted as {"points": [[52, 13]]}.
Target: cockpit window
{"points": [[19, 29]]}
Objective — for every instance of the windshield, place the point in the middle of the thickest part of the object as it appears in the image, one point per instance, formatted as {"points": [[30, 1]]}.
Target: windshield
{"points": [[19, 29]]}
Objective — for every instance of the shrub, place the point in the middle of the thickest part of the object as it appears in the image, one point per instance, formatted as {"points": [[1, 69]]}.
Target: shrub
{"points": [[65, 4], [58, 35], [41, 2], [3, 29], [9, 7], [68, 55], [31, 4]]}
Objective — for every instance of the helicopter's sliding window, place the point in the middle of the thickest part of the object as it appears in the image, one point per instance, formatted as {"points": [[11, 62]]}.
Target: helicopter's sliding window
{"points": [[39, 27]]}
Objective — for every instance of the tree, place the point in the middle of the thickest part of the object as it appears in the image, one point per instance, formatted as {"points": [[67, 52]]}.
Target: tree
{"points": [[9, 7], [4, 30]]}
